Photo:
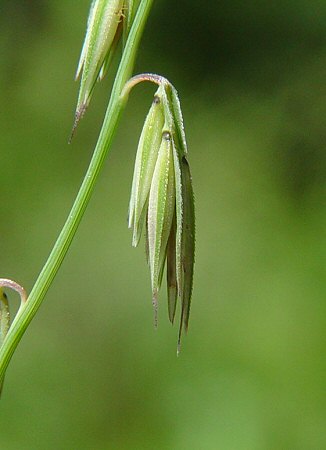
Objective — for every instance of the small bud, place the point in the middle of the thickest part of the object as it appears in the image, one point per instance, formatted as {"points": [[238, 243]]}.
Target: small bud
{"points": [[4, 316], [102, 35], [4, 310], [4, 323]]}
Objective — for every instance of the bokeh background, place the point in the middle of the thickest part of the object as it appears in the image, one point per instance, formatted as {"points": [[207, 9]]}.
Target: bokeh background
{"points": [[91, 372]]}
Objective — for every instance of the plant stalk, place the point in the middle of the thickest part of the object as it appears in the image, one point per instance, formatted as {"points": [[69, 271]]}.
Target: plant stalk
{"points": [[110, 123]]}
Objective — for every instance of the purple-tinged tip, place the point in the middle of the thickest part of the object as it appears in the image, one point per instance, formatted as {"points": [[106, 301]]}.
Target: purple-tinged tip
{"points": [[155, 307], [78, 116]]}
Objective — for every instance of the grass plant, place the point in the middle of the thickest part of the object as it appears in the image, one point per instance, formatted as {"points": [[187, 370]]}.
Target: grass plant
{"points": [[164, 200]]}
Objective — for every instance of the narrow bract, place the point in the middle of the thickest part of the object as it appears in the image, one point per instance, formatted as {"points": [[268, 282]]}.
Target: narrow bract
{"points": [[171, 272], [147, 153], [160, 211], [187, 250]]}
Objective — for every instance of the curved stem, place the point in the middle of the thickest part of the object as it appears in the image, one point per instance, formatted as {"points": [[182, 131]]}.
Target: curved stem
{"points": [[151, 77], [111, 120], [5, 282]]}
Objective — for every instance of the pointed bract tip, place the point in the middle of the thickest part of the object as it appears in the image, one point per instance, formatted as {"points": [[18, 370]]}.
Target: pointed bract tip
{"points": [[77, 74], [172, 299], [178, 348], [135, 240], [171, 314], [155, 307], [78, 116]]}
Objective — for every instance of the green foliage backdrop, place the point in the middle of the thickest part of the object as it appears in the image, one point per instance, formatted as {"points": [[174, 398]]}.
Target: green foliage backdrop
{"points": [[91, 372]]}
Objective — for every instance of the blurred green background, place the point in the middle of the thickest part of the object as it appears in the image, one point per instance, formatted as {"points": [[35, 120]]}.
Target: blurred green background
{"points": [[91, 372]]}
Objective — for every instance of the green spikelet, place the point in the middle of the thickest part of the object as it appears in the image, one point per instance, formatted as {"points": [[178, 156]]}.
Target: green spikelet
{"points": [[102, 27], [166, 194]]}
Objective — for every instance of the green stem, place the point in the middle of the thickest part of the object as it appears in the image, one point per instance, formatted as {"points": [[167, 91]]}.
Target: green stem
{"points": [[111, 120]]}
